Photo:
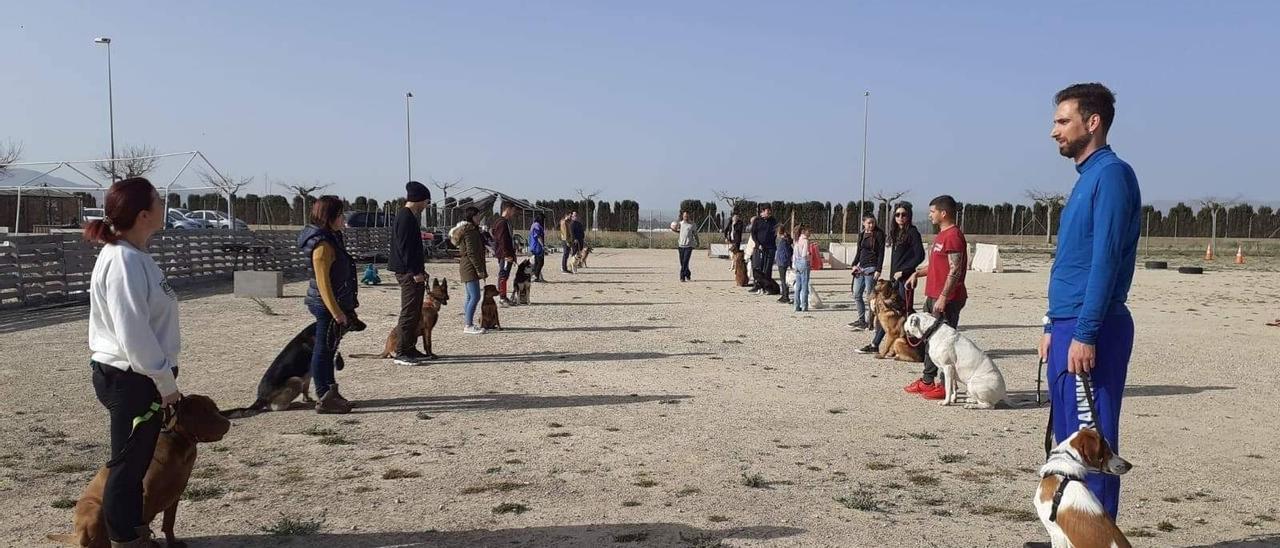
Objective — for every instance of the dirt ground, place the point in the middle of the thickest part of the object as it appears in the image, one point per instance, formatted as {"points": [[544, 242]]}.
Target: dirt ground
{"points": [[625, 408]]}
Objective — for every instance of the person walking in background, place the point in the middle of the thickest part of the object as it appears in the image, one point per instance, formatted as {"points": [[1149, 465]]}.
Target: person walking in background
{"points": [[763, 230], [866, 263], [566, 240], [1088, 328], [905, 256], [471, 265], [944, 290], [134, 342], [332, 297], [800, 262], [537, 246], [408, 263], [579, 233], [688, 240], [504, 249], [783, 258]]}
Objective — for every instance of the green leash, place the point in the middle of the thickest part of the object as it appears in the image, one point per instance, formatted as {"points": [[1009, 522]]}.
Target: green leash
{"points": [[151, 412]]}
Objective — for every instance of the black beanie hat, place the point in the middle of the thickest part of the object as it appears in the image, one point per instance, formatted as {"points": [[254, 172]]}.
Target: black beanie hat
{"points": [[416, 192]]}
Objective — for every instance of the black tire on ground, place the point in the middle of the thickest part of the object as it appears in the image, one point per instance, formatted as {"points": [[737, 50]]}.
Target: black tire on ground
{"points": [[1155, 265], [1190, 270]]}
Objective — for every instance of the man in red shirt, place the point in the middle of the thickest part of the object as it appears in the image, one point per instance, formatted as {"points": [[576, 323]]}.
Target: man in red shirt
{"points": [[944, 289]]}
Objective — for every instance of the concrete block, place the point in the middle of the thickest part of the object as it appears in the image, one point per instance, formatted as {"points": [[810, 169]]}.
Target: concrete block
{"points": [[257, 283]]}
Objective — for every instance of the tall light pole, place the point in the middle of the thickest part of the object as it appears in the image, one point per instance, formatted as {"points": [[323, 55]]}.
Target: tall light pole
{"points": [[111, 108], [866, 106], [408, 144]]}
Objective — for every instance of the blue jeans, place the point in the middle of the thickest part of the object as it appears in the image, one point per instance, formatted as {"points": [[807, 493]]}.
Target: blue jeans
{"points": [[802, 289], [1071, 409], [863, 285], [321, 354], [685, 254], [473, 300]]}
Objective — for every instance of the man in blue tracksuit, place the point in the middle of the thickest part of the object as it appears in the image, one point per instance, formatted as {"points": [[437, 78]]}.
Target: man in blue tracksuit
{"points": [[1088, 328]]}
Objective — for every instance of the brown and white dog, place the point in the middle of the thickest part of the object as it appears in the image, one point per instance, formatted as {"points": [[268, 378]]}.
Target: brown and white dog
{"points": [[436, 298], [489, 308], [1070, 513], [197, 421]]}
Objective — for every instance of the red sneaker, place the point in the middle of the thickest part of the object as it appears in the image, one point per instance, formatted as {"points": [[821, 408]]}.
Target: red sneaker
{"points": [[934, 391], [917, 387]]}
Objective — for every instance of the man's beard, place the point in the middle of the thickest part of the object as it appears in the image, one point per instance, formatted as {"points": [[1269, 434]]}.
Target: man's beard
{"points": [[1073, 148]]}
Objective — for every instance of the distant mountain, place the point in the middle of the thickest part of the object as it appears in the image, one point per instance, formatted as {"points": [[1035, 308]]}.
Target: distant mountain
{"points": [[20, 176]]}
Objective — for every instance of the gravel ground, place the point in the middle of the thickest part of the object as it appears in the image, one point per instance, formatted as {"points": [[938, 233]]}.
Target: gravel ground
{"points": [[625, 408]]}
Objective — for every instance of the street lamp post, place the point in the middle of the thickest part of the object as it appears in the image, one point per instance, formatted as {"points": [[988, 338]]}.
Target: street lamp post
{"points": [[408, 144], [866, 105], [111, 114]]}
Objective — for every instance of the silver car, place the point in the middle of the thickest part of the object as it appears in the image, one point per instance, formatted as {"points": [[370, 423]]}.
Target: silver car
{"points": [[174, 219], [217, 219]]}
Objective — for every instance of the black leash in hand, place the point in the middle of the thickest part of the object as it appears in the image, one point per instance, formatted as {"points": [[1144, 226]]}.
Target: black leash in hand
{"points": [[1085, 381]]}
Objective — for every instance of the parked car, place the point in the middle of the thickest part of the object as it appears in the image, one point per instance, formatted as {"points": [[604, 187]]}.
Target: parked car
{"points": [[217, 219], [91, 214], [174, 219], [368, 218]]}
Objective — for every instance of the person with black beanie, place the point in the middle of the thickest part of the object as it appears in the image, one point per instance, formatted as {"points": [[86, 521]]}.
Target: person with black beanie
{"points": [[409, 265]]}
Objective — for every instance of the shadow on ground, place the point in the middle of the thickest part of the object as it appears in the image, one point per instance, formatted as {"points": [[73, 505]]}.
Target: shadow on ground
{"points": [[592, 328], [557, 357], [628, 534], [1133, 391], [1259, 541], [503, 402], [603, 304]]}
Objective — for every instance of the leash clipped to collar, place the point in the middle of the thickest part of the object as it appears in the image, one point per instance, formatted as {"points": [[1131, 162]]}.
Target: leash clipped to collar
{"points": [[937, 323]]}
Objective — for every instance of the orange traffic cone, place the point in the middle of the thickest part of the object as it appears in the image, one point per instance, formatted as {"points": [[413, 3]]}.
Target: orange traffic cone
{"points": [[1240, 255], [1208, 252]]}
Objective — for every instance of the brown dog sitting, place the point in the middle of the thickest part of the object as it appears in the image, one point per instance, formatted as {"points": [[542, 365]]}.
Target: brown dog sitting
{"points": [[489, 308], [436, 298], [197, 420], [739, 269], [890, 311]]}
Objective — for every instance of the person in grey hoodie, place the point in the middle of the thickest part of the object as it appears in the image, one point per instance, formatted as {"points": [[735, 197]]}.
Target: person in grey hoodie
{"points": [[687, 242]]}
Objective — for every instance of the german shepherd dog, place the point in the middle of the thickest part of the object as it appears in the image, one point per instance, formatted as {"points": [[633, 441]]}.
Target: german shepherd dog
{"points": [[524, 280], [890, 311], [489, 308], [580, 260], [436, 298], [739, 268], [289, 376]]}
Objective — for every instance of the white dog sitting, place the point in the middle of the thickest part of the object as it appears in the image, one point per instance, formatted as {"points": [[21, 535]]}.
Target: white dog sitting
{"points": [[960, 360]]}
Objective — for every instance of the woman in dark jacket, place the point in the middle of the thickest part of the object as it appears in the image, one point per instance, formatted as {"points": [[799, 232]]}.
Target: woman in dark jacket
{"points": [[907, 254], [471, 267], [866, 264], [331, 297]]}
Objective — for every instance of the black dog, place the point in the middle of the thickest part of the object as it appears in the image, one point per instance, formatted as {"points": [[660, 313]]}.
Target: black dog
{"points": [[524, 279], [770, 286], [290, 374]]}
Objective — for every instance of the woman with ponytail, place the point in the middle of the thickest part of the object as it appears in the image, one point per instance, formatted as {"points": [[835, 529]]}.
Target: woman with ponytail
{"points": [[134, 340]]}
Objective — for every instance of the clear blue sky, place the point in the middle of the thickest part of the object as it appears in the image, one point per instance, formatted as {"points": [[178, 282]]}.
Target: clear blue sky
{"points": [[656, 101]]}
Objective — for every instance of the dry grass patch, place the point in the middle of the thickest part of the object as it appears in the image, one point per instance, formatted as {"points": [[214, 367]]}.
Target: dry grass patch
{"points": [[396, 473], [500, 487]]}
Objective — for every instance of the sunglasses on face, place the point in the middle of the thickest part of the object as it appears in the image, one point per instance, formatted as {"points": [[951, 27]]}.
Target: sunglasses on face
{"points": [[900, 214]]}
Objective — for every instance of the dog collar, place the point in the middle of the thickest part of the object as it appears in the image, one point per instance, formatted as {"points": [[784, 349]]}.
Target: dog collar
{"points": [[937, 323]]}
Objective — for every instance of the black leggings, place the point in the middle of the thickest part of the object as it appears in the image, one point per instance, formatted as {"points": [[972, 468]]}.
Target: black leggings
{"points": [[538, 261], [126, 395]]}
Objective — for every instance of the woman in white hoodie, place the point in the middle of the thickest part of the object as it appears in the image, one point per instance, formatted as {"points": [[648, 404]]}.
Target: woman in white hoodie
{"points": [[133, 337]]}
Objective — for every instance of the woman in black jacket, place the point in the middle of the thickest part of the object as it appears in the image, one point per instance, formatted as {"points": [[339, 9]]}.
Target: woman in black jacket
{"points": [[906, 256], [866, 265]]}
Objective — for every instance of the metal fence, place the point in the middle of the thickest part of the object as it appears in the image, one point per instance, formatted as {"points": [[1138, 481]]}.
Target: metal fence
{"points": [[44, 269]]}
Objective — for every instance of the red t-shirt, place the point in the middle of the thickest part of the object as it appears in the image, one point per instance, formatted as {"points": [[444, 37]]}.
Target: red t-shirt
{"points": [[950, 240]]}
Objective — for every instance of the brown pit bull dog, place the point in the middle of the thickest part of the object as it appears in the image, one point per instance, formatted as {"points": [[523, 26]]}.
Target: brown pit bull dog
{"points": [[489, 308], [197, 420], [438, 297]]}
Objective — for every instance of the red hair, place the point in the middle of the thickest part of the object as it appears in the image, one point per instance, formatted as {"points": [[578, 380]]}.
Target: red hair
{"points": [[125, 200]]}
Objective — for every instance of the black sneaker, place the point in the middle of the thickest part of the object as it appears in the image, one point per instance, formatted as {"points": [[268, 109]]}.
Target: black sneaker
{"points": [[410, 357], [858, 325], [868, 349]]}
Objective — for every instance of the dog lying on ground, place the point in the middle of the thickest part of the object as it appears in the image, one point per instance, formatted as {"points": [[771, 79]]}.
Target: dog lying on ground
{"points": [[289, 375], [523, 282], [1077, 519], [489, 308], [960, 361], [197, 420], [739, 269], [889, 311], [436, 298]]}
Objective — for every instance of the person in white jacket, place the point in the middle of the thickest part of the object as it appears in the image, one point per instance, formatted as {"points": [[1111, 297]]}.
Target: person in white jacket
{"points": [[134, 340]]}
